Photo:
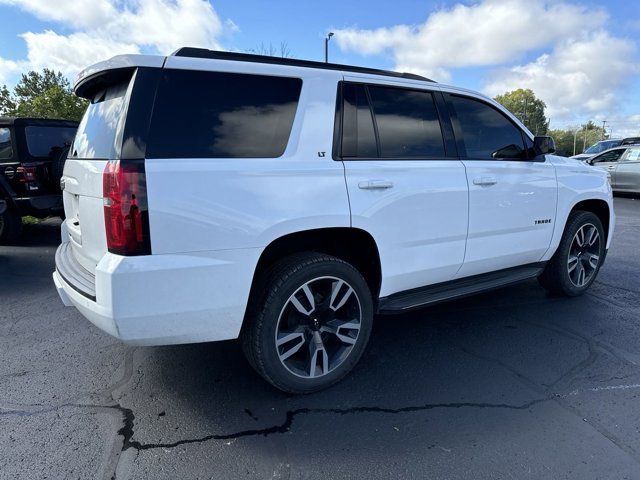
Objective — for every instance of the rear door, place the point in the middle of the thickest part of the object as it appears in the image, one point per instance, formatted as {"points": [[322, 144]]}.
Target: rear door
{"points": [[627, 173], [512, 197], [405, 187], [98, 140]]}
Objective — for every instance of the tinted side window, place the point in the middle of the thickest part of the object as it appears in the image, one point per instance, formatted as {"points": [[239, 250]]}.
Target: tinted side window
{"points": [[358, 134], [407, 121], [42, 141], [485, 131], [5, 143], [222, 115], [612, 156]]}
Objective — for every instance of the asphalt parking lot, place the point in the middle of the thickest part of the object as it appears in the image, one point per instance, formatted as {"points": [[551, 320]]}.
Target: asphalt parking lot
{"points": [[508, 384]]}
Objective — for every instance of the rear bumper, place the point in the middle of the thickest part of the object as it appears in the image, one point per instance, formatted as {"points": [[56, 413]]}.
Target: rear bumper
{"points": [[39, 205], [163, 299]]}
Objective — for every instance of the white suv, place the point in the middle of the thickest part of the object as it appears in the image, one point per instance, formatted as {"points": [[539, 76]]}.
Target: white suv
{"points": [[211, 196]]}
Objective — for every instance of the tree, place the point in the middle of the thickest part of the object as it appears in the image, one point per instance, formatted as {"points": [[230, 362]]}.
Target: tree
{"points": [[7, 103], [269, 50], [573, 141], [529, 109], [564, 141], [45, 94]]}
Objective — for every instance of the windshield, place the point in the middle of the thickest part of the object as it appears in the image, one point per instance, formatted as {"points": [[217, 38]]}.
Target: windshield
{"points": [[5, 143], [602, 146], [42, 141]]}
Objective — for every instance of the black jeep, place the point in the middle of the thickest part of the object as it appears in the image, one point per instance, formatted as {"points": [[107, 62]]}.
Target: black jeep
{"points": [[32, 156]]}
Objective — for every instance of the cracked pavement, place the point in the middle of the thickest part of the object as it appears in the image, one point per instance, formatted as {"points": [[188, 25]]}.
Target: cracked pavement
{"points": [[511, 383]]}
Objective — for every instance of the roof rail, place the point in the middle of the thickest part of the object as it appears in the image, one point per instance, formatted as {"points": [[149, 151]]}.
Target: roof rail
{"points": [[247, 57]]}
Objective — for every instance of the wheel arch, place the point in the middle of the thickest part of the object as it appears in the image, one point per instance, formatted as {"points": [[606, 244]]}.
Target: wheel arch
{"points": [[353, 245], [598, 207]]}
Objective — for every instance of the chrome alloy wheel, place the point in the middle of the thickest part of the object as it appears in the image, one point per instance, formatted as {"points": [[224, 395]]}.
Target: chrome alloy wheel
{"points": [[584, 255], [318, 327]]}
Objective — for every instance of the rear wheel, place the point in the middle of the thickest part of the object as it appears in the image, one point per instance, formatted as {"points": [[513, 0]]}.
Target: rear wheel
{"points": [[10, 226], [576, 263], [312, 324]]}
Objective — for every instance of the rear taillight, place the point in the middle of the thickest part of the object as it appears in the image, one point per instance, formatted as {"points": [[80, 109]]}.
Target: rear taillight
{"points": [[26, 174], [126, 217]]}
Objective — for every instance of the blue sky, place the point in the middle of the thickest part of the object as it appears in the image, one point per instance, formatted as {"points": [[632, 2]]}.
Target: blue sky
{"points": [[581, 57]]}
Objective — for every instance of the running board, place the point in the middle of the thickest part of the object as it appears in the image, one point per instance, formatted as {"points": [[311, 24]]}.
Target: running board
{"points": [[441, 292]]}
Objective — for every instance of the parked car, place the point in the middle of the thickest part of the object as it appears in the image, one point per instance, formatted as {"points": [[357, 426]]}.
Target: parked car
{"points": [[211, 196], [623, 164], [597, 148], [630, 141], [32, 156]]}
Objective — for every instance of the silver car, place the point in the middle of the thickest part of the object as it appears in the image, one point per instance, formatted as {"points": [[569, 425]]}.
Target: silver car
{"points": [[623, 163]]}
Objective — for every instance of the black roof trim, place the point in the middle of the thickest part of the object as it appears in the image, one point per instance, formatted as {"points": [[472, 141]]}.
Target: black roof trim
{"points": [[247, 57], [37, 121]]}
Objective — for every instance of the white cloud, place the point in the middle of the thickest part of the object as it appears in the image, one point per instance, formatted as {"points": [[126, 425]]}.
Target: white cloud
{"points": [[77, 13], [9, 69], [582, 70], [578, 77], [71, 53], [103, 28], [487, 33]]}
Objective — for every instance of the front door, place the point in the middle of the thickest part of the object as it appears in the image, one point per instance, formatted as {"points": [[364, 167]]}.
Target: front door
{"points": [[512, 198], [627, 173], [608, 161]]}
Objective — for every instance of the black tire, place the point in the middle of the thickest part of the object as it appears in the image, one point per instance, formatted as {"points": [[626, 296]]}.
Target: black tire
{"points": [[263, 321], [57, 165], [556, 277], [10, 227]]}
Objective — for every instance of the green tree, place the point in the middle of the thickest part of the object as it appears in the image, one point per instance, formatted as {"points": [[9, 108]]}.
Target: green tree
{"points": [[575, 140], [564, 141], [529, 109], [46, 94]]}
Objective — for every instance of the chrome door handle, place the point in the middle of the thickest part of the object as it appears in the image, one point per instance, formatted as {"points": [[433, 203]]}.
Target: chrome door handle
{"points": [[485, 181], [375, 184], [611, 167]]}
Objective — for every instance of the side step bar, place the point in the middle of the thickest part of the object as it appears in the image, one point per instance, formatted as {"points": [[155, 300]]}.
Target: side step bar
{"points": [[440, 292]]}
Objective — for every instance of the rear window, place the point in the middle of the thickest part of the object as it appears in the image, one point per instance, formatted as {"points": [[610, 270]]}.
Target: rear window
{"points": [[43, 141], [5, 143], [407, 121], [389, 122], [358, 132], [98, 131], [222, 115]]}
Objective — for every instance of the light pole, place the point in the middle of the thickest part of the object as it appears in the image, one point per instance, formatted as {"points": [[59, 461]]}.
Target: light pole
{"points": [[326, 47]]}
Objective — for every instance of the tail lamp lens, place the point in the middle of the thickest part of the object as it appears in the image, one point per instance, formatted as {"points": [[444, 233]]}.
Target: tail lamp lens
{"points": [[26, 174], [126, 214]]}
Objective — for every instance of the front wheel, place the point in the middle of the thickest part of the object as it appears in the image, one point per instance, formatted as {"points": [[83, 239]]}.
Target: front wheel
{"points": [[311, 326], [575, 265]]}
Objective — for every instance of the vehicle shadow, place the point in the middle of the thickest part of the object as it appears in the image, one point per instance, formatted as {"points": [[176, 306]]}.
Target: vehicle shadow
{"points": [[32, 255], [484, 352], [45, 233]]}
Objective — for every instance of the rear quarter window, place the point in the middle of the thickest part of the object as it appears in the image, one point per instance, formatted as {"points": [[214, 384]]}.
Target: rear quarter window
{"points": [[222, 115]]}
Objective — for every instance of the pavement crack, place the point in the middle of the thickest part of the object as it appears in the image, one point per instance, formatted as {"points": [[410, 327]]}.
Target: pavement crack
{"points": [[127, 430]]}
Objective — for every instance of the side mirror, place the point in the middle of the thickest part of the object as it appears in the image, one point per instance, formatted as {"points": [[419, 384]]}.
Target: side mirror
{"points": [[544, 145]]}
